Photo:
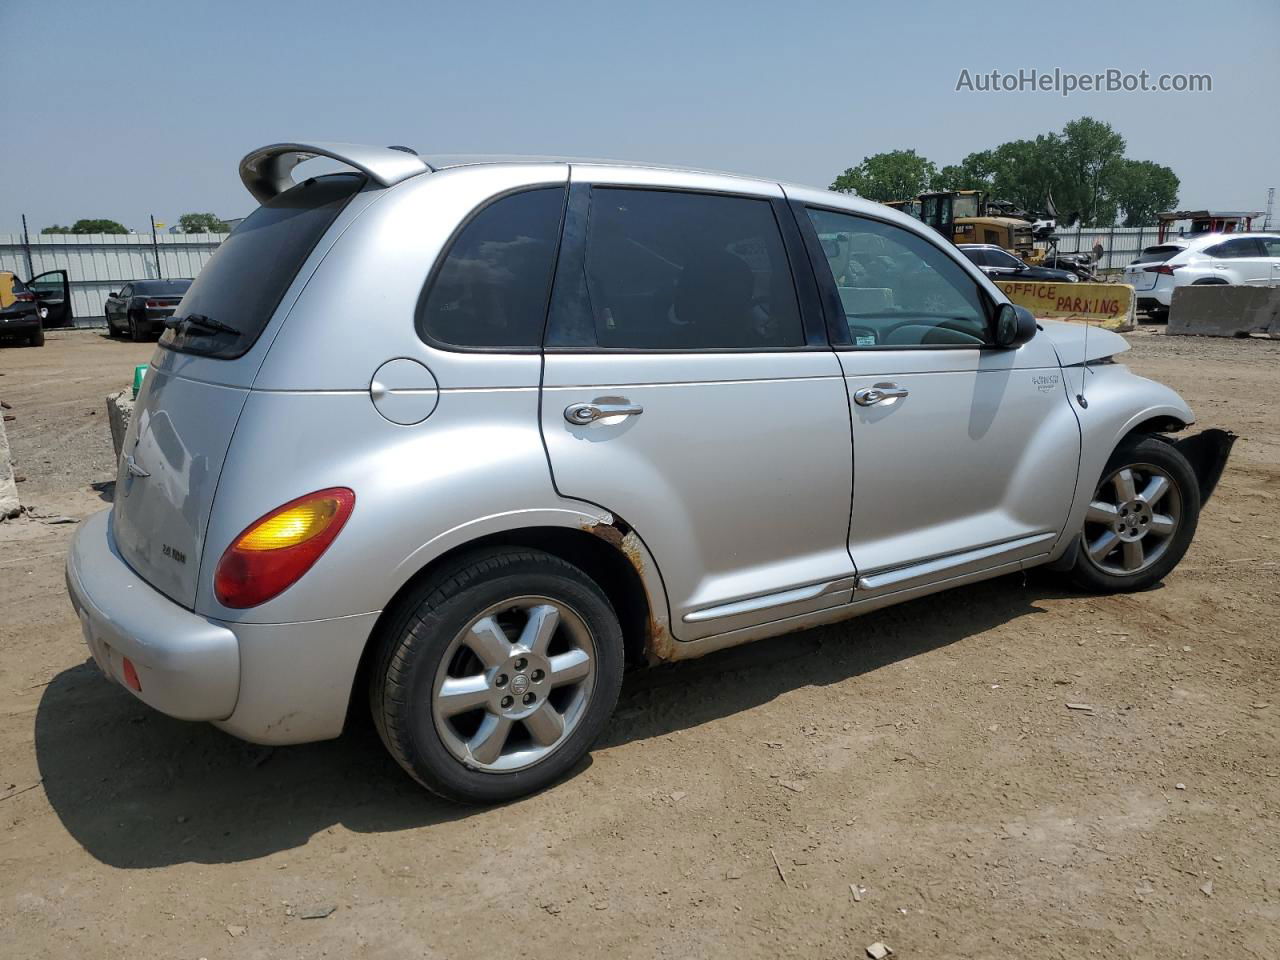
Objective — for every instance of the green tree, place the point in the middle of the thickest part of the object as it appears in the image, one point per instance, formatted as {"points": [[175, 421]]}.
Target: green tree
{"points": [[201, 223], [1142, 189], [897, 175], [1087, 155], [88, 226]]}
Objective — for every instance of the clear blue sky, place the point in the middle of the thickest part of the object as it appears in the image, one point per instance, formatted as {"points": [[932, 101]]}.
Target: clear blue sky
{"points": [[122, 109]]}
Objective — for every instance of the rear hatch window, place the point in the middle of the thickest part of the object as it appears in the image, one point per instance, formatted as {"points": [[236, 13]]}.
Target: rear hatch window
{"points": [[1159, 254], [231, 301]]}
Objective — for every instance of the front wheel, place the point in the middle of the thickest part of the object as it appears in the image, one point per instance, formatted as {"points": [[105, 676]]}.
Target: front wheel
{"points": [[497, 675], [1141, 519]]}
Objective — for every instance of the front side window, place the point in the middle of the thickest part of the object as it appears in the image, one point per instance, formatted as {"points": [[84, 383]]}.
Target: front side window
{"points": [[1001, 259], [667, 270], [898, 289], [490, 291]]}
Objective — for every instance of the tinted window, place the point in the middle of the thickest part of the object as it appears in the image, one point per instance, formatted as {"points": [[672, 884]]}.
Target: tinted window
{"points": [[1158, 254], [491, 288], [1235, 249], [998, 258], [243, 282], [1272, 245], [978, 257], [898, 289], [686, 271], [162, 288], [126, 291]]}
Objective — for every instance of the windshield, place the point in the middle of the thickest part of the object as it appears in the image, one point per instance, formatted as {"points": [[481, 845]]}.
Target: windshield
{"points": [[161, 288], [241, 286], [1158, 254]]}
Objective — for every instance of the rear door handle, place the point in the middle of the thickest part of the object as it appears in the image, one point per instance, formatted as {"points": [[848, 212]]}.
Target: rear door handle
{"points": [[600, 409], [870, 396]]}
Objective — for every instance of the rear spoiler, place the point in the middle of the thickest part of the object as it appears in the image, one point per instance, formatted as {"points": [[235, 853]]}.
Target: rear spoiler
{"points": [[267, 171]]}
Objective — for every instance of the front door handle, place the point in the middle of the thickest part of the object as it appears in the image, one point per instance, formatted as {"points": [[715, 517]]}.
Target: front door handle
{"points": [[600, 409], [870, 396]]}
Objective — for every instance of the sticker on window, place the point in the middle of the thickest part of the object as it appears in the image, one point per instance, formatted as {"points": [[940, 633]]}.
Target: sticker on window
{"points": [[864, 341]]}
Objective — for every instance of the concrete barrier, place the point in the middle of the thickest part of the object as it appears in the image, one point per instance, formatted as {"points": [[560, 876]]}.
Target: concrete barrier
{"points": [[1219, 310], [1109, 305], [119, 413], [9, 506]]}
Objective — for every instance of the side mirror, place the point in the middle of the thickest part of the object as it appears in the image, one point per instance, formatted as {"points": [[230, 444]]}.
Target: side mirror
{"points": [[114, 293], [1014, 325]]}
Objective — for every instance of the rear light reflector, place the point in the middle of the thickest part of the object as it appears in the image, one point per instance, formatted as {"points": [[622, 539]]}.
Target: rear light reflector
{"points": [[131, 676], [273, 553], [1164, 268]]}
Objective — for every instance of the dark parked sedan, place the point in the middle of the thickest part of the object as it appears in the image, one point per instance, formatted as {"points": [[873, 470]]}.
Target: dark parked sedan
{"points": [[999, 264], [26, 308], [140, 307]]}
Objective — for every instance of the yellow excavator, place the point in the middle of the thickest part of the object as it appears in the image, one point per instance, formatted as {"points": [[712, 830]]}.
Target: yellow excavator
{"points": [[967, 216]]}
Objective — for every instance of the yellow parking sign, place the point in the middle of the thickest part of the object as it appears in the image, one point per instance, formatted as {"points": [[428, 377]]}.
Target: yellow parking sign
{"points": [[1110, 304]]}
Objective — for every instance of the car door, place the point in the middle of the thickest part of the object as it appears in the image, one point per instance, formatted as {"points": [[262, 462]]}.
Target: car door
{"points": [[965, 455], [53, 296], [689, 388], [1241, 260], [1272, 247], [1003, 266], [115, 307]]}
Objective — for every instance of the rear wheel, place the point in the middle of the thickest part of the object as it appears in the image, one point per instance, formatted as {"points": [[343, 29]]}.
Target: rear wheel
{"points": [[497, 675], [135, 329], [36, 339], [1141, 519]]}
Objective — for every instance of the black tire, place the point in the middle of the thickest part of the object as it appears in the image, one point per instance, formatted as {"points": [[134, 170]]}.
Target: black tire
{"points": [[36, 339], [135, 333], [1089, 575], [419, 634]]}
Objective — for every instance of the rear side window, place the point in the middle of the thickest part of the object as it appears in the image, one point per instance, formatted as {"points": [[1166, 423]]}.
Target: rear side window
{"points": [[668, 270], [243, 283], [1158, 254], [490, 291]]}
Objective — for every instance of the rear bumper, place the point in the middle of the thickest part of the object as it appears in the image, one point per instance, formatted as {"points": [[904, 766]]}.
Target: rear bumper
{"points": [[188, 666], [274, 683], [19, 323]]}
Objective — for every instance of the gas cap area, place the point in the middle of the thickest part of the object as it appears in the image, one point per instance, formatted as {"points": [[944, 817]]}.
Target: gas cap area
{"points": [[404, 391]]}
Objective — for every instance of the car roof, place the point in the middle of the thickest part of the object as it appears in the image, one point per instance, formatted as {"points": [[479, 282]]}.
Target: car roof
{"points": [[1208, 239]]}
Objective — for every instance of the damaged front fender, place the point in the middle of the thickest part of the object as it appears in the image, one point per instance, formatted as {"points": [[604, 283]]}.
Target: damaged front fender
{"points": [[1207, 452]]}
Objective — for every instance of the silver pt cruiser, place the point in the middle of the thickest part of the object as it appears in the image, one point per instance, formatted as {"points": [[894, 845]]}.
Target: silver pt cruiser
{"points": [[462, 440]]}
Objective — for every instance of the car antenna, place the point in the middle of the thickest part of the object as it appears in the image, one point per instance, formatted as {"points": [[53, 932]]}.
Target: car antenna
{"points": [[1084, 367]]}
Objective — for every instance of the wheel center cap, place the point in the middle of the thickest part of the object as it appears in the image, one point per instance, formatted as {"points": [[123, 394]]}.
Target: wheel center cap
{"points": [[519, 684]]}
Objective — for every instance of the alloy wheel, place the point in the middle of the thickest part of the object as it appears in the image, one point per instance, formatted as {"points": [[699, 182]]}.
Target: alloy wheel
{"points": [[514, 684], [1132, 519]]}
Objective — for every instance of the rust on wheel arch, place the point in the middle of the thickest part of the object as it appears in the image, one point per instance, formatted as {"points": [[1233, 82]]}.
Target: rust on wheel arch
{"points": [[659, 645]]}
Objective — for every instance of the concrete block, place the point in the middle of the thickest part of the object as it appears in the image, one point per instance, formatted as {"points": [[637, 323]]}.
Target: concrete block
{"points": [[119, 413], [9, 506], [1220, 310]]}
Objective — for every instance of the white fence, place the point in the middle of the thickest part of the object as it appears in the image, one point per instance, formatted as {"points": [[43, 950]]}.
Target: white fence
{"points": [[97, 263], [1121, 244]]}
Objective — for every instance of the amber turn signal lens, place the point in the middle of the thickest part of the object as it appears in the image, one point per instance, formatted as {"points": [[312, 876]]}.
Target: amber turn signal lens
{"points": [[274, 552]]}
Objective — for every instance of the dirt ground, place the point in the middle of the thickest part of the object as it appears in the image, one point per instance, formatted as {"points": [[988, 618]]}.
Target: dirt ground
{"points": [[924, 755]]}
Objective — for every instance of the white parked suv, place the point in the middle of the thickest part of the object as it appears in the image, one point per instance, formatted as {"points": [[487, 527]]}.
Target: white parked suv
{"points": [[1244, 258]]}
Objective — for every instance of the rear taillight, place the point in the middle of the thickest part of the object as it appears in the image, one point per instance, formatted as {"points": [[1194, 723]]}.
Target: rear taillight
{"points": [[1164, 268], [273, 553], [25, 297], [153, 303]]}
